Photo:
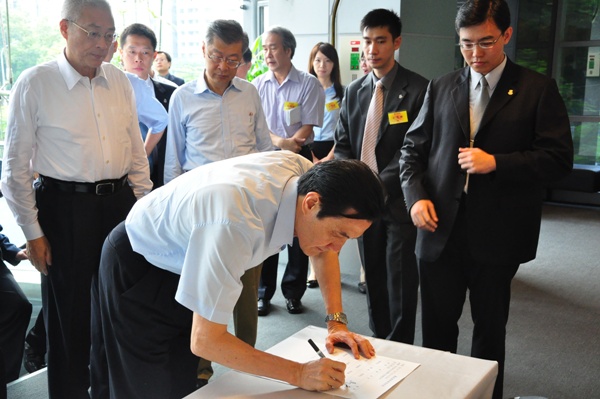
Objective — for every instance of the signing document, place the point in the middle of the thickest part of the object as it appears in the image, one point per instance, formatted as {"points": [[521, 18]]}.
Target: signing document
{"points": [[365, 378]]}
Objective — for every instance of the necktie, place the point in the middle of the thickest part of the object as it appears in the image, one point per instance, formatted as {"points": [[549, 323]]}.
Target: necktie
{"points": [[481, 102], [483, 97], [367, 154]]}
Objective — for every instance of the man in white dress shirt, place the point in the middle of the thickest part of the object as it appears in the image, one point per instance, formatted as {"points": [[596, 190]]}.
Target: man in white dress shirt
{"points": [[173, 269], [72, 121]]}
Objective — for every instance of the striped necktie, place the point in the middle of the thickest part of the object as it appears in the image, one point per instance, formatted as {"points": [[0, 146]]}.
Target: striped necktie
{"points": [[371, 133]]}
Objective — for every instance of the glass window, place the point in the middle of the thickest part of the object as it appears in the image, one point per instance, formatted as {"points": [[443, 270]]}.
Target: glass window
{"points": [[578, 74], [580, 20]]}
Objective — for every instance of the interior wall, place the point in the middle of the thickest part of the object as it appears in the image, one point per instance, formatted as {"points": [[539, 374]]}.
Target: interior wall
{"points": [[428, 39]]}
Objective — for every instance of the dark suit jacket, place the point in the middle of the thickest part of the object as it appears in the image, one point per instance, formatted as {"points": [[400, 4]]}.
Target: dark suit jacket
{"points": [[405, 94], [163, 93], [174, 79], [8, 250], [525, 126]]}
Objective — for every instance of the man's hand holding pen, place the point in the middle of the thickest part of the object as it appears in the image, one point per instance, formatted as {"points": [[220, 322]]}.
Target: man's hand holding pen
{"points": [[322, 375], [332, 372]]}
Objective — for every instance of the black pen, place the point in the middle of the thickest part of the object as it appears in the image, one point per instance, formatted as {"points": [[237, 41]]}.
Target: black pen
{"points": [[321, 355], [316, 348]]}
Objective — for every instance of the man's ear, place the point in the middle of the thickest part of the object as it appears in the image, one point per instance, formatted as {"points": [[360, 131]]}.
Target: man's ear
{"points": [[64, 24], [311, 202]]}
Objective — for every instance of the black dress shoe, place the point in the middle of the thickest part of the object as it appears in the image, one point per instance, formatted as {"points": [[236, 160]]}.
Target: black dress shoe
{"points": [[200, 382], [294, 306], [33, 361], [312, 284], [362, 287], [264, 307]]}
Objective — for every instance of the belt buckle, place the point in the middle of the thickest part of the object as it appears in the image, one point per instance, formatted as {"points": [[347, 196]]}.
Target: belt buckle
{"points": [[105, 188]]}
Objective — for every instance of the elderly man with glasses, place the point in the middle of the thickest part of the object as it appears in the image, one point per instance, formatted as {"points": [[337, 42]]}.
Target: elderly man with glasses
{"points": [[73, 122], [236, 126]]}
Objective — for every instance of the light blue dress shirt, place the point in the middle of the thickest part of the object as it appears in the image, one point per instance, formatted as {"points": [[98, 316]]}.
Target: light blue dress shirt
{"points": [[331, 117], [205, 127], [215, 222], [150, 111], [298, 87]]}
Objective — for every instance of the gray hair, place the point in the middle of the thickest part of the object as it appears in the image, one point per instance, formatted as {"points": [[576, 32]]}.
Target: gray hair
{"points": [[287, 38], [72, 9], [227, 30]]}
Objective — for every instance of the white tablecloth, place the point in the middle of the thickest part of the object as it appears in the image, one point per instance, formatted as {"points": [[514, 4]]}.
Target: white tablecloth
{"points": [[441, 375]]}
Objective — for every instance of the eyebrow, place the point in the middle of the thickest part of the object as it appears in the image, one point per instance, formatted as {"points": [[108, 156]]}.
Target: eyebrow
{"points": [[480, 40], [375, 38]]}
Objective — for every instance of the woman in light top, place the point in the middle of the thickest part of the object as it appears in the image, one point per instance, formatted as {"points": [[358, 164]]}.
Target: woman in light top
{"points": [[364, 65], [324, 64]]}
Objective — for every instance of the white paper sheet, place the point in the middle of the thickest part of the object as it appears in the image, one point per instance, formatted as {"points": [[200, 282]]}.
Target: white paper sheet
{"points": [[365, 378]]}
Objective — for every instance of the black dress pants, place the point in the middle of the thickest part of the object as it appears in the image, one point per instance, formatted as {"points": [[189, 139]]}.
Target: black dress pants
{"points": [[293, 283], [76, 225], [15, 313], [141, 334], [444, 284], [388, 253]]}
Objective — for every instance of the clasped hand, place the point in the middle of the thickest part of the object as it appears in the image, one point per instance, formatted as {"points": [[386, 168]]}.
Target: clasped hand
{"points": [[475, 160]]}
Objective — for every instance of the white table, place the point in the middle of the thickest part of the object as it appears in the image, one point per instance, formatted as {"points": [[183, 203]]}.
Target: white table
{"points": [[440, 375]]}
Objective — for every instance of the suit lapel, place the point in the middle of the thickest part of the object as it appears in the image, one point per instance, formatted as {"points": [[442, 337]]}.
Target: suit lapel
{"points": [[160, 93], [460, 99], [393, 98], [506, 89]]}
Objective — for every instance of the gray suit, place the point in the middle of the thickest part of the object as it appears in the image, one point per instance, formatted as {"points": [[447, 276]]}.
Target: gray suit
{"points": [[387, 247]]}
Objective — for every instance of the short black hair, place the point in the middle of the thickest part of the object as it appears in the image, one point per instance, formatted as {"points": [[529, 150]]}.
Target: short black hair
{"points": [[476, 12], [167, 55], [247, 56], [138, 30], [382, 18], [345, 185]]}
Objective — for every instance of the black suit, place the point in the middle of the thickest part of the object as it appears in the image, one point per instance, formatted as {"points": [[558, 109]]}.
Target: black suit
{"points": [[163, 93], [15, 313], [174, 79], [484, 235], [387, 247]]}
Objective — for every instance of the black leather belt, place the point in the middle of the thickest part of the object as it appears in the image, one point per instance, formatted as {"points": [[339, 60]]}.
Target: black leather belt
{"points": [[102, 187]]}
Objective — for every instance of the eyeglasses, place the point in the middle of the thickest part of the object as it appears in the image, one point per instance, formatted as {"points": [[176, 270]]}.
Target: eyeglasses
{"points": [[109, 38], [484, 45], [230, 63]]}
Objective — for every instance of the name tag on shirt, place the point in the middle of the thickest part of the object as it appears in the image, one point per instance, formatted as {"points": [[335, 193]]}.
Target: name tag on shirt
{"points": [[289, 105], [397, 117], [333, 105], [293, 115]]}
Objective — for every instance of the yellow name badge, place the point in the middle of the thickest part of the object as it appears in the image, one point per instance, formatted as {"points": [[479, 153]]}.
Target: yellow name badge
{"points": [[289, 105], [333, 105], [397, 117]]}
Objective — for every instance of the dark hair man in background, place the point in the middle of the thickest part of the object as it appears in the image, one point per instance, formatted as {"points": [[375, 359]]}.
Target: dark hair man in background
{"points": [[474, 185], [162, 65], [388, 246]]}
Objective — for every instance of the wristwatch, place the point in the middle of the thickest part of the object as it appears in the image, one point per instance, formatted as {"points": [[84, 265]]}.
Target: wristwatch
{"points": [[340, 317]]}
